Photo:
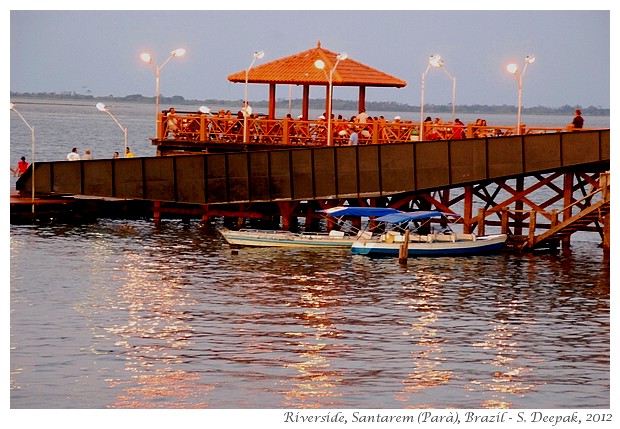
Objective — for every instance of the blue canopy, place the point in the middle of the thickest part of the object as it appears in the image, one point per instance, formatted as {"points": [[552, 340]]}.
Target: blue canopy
{"points": [[359, 211], [399, 217]]}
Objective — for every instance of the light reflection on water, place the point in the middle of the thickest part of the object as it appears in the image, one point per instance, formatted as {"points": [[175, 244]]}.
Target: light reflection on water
{"points": [[120, 314]]}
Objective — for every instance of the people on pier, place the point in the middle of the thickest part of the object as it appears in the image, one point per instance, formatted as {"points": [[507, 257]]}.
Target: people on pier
{"points": [[87, 155], [458, 129], [578, 120], [117, 155], [479, 128], [128, 153], [21, 167], [362, 117], [353, 137], [172, 124], [246, 110], [73, 155]]}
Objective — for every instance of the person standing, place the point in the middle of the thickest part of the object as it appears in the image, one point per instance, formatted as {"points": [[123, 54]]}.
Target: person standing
{"points": [[128, 153], [73, 155], [578, 120], [88, 155]]}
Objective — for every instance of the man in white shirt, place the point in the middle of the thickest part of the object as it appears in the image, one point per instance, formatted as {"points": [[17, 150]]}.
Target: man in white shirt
{"points": [[247, 109], [73, 155]]}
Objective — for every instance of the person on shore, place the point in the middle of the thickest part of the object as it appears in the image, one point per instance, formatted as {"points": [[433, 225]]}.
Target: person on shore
{"points": [[87, 155], [73, 155], [578, 120], [21, 168], [128, 153]]}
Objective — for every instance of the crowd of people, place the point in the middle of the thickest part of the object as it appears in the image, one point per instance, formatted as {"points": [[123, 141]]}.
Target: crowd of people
{"points": [[74, 155], [358, 129]]}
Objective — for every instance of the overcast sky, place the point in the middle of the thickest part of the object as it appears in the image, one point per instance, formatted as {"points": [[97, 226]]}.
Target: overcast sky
{"points": [[97, 52]]}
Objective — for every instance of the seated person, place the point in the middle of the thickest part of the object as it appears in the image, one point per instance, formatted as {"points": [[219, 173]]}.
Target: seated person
{"points": [[172, 124]]}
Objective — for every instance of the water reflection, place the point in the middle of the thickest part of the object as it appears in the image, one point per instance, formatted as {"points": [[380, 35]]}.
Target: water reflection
{"points": [[176, 320], [155, 336], [427, 352]]}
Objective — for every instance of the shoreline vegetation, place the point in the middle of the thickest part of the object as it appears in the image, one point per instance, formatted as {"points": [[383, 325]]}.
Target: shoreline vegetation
{"points": [[377, 106]]}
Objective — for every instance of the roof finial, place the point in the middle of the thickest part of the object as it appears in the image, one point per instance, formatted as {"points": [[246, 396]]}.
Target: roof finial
{"points": [[318, 44]]}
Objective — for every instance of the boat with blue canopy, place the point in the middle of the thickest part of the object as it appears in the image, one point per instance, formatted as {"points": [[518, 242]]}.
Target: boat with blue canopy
{"points": [[412, 229]]}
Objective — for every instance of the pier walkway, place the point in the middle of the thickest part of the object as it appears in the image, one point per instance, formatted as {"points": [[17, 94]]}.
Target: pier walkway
{"points": [[495, 171]]}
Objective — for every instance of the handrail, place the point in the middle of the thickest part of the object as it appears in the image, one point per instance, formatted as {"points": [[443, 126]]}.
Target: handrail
{"points": [[200, 127]]}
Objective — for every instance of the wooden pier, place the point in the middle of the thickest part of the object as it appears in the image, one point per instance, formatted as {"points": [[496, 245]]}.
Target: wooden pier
{"points": [[493, 182]]}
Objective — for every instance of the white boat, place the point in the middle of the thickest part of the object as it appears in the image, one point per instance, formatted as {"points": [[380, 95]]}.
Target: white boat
{"points": [[445, 243], [264, 238], [335, 238]]}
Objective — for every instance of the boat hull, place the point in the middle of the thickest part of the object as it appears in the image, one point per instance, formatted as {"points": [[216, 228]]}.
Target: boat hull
{"points": [[481, 245], [284, 239]]}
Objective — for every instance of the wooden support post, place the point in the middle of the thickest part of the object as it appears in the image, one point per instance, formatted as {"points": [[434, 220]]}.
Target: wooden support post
{"points": [[203, 128], [403, 251], [286, 127], [519, 214], [504, 221], [156, 213], [554, 218], [532, 230], [375, 132], [205, 215], [481, 216], [287, 210], [606, 233], [568, 200], [467, 209]]}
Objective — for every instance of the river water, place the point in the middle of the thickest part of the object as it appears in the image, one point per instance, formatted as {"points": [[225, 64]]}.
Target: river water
{"points": [[121, 314]]}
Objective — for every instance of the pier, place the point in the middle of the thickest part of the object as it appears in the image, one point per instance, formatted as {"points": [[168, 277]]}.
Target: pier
{"points": [[490, 182]]}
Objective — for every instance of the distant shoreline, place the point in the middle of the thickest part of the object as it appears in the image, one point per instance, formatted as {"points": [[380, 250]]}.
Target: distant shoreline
{"points": [[377, 106]]}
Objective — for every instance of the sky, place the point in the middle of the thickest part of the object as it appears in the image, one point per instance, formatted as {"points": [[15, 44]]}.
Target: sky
{"points": [[97, 52]]}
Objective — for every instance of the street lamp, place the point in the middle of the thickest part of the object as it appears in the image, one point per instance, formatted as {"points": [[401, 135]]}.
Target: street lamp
{"points": [[156, 70], [436, 61], [102, 107], [514, 70], [31, 162], [320, 64], [246, 110]]}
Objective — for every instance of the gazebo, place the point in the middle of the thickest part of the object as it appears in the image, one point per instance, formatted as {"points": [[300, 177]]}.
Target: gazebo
{"points": [[299, 69]]}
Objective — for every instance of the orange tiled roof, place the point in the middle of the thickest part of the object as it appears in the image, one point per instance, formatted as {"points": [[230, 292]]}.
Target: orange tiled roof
{"points": [[299, 69]]}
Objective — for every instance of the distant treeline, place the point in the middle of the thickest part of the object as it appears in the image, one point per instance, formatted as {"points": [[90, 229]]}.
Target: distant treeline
{"points": [[338, 105]]}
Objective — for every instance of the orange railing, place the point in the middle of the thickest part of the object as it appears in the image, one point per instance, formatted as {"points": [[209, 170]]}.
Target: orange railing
{"points": [[201, 127]]}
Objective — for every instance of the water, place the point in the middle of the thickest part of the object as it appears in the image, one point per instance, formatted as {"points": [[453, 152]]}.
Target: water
{"points": [[120, 314]]}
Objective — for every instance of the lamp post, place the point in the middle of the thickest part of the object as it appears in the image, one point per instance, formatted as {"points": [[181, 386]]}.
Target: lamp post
{"points": [[102, 107], [157, 71], [436, 61], [514, 70], [320, 64], [246, 112], [31, 128]]}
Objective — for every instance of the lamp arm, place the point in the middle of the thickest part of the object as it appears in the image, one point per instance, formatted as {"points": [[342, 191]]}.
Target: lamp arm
{"points": [[165, 62], [115, 120], [23, 119]]}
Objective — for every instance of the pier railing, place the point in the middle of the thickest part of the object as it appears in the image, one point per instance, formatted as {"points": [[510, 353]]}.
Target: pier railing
{"points": [[200, 128]]}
